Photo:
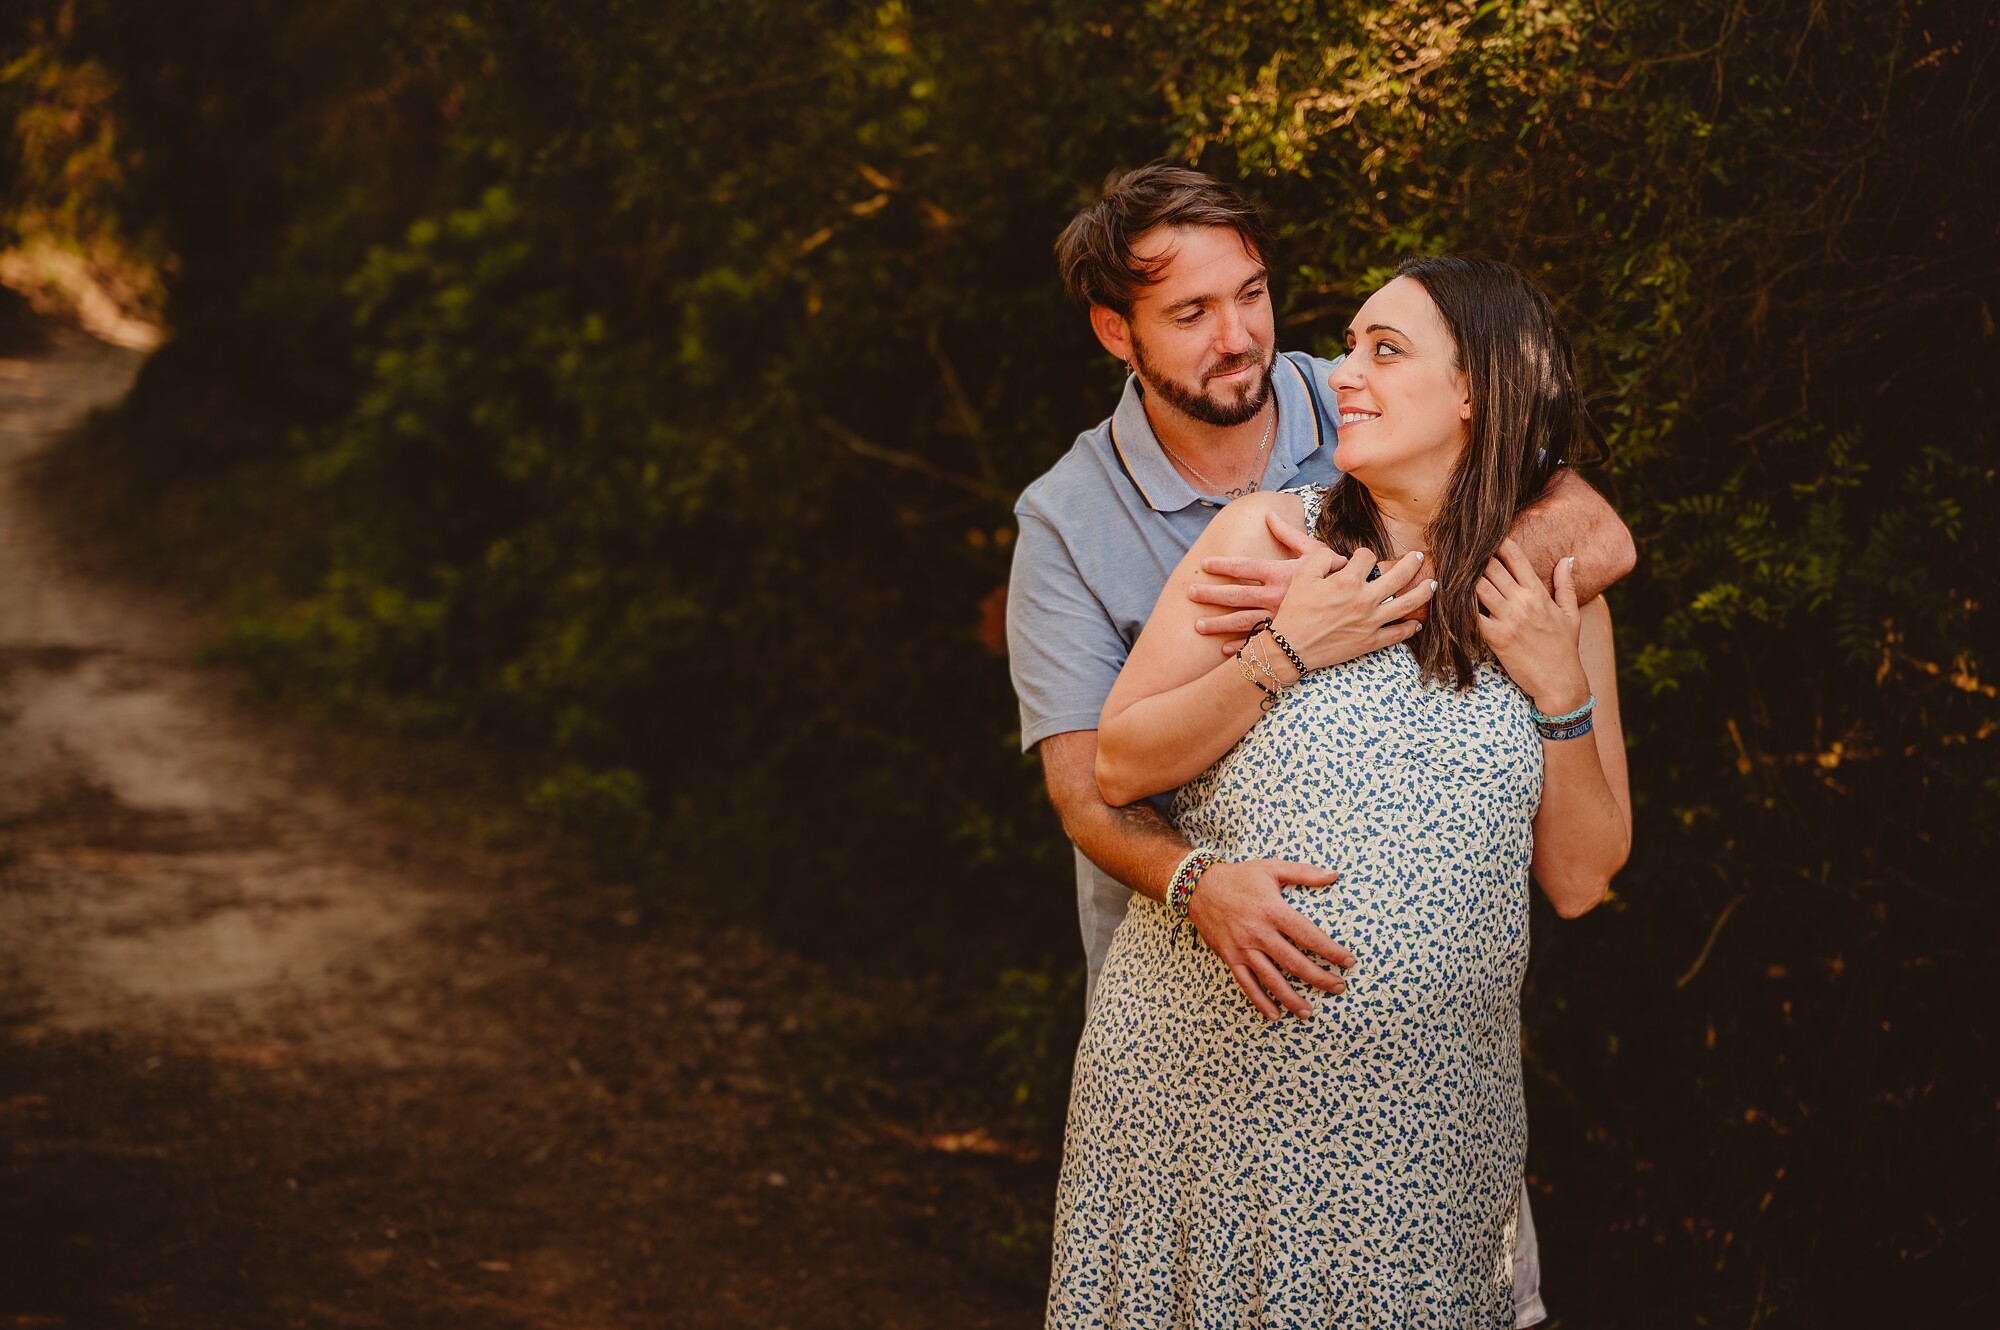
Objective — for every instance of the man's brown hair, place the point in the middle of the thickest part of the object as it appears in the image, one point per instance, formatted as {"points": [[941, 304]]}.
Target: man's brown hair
{"points": [[1095, 249]]}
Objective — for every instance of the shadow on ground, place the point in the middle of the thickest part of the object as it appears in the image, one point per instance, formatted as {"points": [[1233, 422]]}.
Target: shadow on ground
{"points": [[270, 1058]]}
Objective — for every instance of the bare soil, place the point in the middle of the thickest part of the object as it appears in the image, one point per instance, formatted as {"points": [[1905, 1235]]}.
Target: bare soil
{"points": [[269, 1057]]}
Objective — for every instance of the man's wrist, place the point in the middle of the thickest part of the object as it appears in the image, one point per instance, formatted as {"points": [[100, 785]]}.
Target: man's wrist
{"points": [[1187, 876]]}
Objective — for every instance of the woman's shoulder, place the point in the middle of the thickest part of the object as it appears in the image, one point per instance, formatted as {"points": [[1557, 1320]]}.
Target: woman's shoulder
{"points": [[1243, 524]]}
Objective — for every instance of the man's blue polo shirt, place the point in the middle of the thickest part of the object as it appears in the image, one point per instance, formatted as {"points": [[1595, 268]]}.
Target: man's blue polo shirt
{"points": [[1100, 533]]}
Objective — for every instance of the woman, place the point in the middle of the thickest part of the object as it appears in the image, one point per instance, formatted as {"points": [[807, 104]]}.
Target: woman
{"points": [[1358, 1168]]}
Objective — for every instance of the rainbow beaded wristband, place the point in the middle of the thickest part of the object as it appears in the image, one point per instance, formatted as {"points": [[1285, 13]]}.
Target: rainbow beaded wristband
{"points": [[1180, 888]]}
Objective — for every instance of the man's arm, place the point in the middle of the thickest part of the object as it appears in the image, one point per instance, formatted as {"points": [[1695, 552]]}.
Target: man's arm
{"points": [[1135, 844], [1064, 652], [1570, 518], [1239, 910]]}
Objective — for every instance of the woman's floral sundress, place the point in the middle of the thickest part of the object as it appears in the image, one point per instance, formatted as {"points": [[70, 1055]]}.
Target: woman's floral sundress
{"points": [[1360, 1169]]}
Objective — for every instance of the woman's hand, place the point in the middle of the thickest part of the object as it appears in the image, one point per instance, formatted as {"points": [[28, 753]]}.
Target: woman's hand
{"points": [[1256, 587], [1329, 616], [1534, 634]]}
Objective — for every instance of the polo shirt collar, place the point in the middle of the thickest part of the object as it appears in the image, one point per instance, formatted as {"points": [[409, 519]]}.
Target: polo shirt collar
{"points": [[1160, 482]]}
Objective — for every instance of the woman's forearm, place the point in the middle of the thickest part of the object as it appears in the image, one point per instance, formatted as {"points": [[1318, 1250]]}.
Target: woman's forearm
{"points": [[1179, 704], [1582, 833], [1161, 742]]}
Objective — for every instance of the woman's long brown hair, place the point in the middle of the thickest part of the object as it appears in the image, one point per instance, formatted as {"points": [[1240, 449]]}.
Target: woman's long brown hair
{"points": [[1527, 419]]}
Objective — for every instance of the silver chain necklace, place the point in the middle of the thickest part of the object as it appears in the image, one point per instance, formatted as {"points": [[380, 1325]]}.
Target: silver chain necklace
{"points": [[1256, 481]]}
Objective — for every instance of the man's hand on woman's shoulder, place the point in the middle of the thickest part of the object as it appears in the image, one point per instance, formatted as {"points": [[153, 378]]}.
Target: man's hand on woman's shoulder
{"points": [[1256, 584]]}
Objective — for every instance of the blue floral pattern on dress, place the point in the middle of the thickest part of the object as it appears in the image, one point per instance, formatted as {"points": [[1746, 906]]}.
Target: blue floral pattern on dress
{"points": [[1360, 1169]]}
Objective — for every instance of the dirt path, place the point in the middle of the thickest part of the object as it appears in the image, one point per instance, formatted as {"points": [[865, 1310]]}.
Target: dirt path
{"points": [[270, 1059]]}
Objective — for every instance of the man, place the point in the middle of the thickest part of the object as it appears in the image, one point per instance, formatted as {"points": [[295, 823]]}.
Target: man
{"points": [[1170, 266]]}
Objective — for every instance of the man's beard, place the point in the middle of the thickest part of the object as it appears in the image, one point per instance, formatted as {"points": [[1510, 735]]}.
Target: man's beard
{"points": [[1199, 405]]}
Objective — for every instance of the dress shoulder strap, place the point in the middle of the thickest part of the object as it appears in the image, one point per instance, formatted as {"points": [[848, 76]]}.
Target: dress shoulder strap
{"points": [[1311, 496]]}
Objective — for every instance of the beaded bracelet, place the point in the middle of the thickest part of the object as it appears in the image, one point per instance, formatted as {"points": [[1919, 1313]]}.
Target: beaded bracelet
{"points": [[1567, 717], [1298, 663], [1180, 888]]}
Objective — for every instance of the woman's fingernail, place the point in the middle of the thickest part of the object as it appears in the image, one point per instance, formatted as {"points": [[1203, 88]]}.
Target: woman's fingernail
{"points": [[1434, 585]]}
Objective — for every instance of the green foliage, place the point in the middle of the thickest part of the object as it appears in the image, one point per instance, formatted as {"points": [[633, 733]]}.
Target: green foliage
{"points": [[65, 169], [606, 809], [649, 385], [1037, 1015]]}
